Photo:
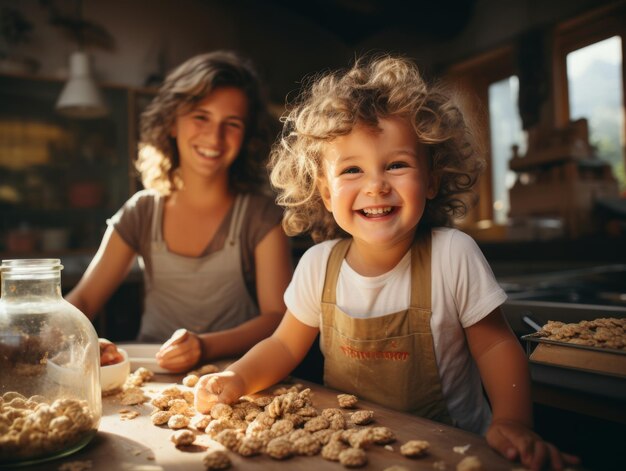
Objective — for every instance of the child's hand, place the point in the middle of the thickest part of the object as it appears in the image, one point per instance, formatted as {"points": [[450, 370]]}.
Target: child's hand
{"points": [[225, 387], [516, 441], [181, 352]]}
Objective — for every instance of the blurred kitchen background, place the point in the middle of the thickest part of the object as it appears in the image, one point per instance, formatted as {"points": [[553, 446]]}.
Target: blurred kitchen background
{"points": [[542, 80]]}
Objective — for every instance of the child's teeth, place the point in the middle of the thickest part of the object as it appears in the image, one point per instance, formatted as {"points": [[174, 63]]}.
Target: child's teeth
{"points": [[377, 210]]}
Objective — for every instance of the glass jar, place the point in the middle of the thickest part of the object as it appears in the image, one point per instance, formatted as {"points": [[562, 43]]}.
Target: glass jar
{"points": [[50, 402]]}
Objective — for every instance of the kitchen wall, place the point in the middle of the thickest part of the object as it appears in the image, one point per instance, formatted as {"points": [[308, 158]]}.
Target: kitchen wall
{"points": [[284, 45], [492, 23]]}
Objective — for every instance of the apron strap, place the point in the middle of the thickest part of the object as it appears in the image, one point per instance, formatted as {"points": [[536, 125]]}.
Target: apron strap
{"points": [[335, 259], [157, 218], [239, 211], [421, 290]]}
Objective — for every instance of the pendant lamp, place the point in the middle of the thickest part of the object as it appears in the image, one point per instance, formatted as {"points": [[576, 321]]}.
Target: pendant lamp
{"points": [[81, 97]]}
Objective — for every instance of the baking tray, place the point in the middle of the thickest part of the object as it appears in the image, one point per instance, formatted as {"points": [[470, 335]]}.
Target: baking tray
{"points": [[594, 370], [538, 337]]}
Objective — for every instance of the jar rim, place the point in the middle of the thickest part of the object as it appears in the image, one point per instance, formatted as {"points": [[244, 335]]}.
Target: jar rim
{"points": [[31, 264]]}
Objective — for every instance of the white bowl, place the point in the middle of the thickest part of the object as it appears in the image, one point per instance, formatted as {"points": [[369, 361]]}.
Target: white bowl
{"points": [[143, 354], [113, 376]]}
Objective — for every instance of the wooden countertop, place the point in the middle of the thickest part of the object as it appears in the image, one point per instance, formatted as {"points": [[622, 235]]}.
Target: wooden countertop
{"points": [[139, 445]]}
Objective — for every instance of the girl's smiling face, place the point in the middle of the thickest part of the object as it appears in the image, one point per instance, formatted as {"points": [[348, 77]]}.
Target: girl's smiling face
{"points": [[376, 182], [210, 136]]}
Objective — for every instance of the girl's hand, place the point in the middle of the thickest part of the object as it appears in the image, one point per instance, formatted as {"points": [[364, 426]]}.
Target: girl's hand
{"points": [[181, 352], [225, 387], [515, 441], [109, 354]]}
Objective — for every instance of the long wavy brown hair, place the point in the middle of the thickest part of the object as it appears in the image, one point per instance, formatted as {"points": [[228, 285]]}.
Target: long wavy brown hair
{"points": [[158, 160], [374, 88]]}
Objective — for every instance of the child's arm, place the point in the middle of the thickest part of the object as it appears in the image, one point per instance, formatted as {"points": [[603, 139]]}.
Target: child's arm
{"points": [[265, 364], [504, 372]]}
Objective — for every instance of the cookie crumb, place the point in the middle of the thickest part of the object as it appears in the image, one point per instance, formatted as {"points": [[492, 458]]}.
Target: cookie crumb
{"points": [[76, 465], [469, 463], [461, 449]]}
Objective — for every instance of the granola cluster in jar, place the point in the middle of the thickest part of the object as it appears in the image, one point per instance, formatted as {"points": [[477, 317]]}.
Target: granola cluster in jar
{"points": [[33, 427]]}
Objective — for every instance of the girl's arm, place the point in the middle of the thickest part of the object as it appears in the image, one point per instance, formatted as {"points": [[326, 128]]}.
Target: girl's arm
{"points": [[104, 274], [265, 364], [273, 273], [503, 368], [504, 371]]}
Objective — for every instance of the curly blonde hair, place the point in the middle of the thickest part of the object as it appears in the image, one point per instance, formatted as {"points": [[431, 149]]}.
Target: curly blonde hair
{"points": [[374, 88], [158, 160]]}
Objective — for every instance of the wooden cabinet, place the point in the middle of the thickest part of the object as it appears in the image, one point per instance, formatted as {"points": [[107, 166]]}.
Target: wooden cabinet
{"points": [[61, 178]]}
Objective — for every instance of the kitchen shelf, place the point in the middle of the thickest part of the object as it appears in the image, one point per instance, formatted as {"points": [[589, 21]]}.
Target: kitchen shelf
{"points": [[62, 173]]}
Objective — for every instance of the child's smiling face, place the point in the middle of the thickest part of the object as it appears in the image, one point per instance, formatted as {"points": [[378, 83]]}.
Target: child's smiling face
{"points": [[376, 182]]}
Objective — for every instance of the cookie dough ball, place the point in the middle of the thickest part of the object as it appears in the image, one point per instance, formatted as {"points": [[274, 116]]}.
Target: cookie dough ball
{"points": [[178, 421], [229, 438], [177, 406], [332, 450], [182, 437], [190, 381], [132, 396], [161, 402], [221, 411], [323, 436], [415, 448], [316, 424], [161, 417], [201, 422], [469, 463], [362, 417], [263, 401], [306, 446], [216, 459], [282, 427], [383, 435], [361, 438], [250, 446], [353, 458], [279, 448], [347, 401]]}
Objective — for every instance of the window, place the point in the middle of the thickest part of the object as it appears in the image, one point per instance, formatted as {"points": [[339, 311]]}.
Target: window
{"points": [[505, 129], [588, 81], [587, 63], [595, 87], [488, 90]]}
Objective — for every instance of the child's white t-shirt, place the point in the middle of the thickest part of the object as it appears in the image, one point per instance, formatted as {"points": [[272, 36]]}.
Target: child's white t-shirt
{"points": [[464, 291]]}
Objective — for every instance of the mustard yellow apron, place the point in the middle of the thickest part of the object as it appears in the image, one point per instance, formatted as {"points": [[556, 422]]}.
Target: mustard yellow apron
{"points": [[390, 359]]}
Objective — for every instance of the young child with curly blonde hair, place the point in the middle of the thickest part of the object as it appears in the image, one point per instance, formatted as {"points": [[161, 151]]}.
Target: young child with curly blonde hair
{"points": [[375, 163]]}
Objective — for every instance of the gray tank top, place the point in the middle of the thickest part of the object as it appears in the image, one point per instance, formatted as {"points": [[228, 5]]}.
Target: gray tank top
{"points": [[201, 294]]}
